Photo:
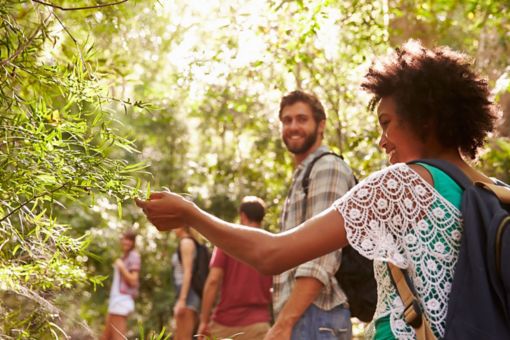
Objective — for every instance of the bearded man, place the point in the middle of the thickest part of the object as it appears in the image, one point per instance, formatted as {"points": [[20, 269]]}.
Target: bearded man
{"points": [[308, 302]]}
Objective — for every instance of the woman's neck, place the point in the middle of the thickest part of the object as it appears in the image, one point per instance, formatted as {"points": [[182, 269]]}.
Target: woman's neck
{"points": [[454, 157]]}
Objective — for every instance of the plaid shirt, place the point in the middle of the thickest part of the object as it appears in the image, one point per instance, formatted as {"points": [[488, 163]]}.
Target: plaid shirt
{"points": [[330, 179]]}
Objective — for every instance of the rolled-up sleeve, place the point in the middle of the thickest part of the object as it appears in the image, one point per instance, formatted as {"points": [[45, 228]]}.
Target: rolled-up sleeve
{"points": [[322, 268]]}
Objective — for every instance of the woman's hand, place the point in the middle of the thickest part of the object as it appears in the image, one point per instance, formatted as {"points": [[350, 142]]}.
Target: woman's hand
{"points": [[166, 210], [118, 264], [179, 307], [278, 333], [203, 331]]}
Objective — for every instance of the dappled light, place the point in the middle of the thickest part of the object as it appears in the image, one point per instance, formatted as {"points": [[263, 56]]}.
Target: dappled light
{"points": [[103, 104]]}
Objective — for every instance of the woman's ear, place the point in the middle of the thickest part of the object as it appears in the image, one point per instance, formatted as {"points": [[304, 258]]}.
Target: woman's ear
{"points": [[429, 134]]}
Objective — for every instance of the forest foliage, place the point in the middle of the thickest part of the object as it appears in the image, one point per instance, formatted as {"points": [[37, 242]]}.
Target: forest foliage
{"points": [[101, 101]]}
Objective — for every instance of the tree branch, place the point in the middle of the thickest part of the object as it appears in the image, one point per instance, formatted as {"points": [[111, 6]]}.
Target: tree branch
{"points": [[78, 8], [22, 47], [84, 65], [31, 199]]}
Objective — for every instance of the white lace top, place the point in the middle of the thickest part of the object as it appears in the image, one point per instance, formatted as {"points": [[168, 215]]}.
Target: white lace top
{"points": [[394, 215]]}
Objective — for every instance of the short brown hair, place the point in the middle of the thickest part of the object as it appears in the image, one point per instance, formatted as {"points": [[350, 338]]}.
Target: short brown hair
{"points": [[298, 96], [253, 207]]}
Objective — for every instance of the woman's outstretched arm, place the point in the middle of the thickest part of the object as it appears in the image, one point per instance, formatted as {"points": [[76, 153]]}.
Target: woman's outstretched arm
{"points": [[268, 253]]}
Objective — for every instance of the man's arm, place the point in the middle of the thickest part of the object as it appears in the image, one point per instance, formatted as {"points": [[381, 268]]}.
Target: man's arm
{"points": [[304, 293], [328, 182], [211, 287]]}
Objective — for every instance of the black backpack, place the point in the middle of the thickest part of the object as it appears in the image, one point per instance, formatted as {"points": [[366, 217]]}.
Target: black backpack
{"points": [[200, 266], [479, 303], [356, 273]]}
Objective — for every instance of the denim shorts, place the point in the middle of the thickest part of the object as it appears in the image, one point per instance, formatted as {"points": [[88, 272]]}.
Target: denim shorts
{"points": [[318, 324], [192, 300]]}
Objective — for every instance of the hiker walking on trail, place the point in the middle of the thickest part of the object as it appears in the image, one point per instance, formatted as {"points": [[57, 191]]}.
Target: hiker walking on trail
{"points": [[245, 294], [187, 306], [124, 289], [430, 105]]}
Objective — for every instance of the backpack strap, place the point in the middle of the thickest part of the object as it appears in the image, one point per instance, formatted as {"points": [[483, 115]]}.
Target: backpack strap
{"points": [[305, 182], [451, 170], [465, 179], [413, 314], [501, 192]]}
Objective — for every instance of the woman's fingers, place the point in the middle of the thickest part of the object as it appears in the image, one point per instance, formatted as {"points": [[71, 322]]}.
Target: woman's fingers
{"points": [[166, 222], [164, 210], [158, 195], [140, 203], [154, 196]]}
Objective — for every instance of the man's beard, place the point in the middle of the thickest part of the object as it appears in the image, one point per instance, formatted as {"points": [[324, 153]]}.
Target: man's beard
{"points": [[307, 143]]}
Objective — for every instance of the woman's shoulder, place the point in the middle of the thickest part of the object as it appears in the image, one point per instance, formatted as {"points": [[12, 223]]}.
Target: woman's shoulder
{"points": [[393, 182], [134, 252], [133, 257], [401, 172], [187, 243], [187, 239]]}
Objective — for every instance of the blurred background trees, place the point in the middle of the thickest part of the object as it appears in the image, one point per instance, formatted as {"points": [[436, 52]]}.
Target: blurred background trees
{"points": [[101, 100]]}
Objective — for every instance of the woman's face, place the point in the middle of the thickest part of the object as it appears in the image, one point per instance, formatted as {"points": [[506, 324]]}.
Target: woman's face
{"points": [[126, 244], [398, 139]]}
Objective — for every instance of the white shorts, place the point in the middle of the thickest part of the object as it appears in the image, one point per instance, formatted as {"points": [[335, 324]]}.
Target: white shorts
{"points": [[121, 305]]}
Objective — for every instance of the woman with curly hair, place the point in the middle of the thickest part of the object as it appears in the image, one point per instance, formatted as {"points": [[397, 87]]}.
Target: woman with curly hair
{"points": [[430, 104]]}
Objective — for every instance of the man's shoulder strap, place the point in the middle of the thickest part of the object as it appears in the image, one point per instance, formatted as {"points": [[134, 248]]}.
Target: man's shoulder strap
{"points": [[305, 183]]}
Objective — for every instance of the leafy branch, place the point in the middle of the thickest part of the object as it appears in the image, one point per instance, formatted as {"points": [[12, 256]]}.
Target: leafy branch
{"points": [[31, 199], [22, 47], [78, 8]]}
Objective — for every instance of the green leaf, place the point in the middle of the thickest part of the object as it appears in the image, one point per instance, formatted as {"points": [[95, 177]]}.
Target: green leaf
{"points": [[119, 209], [16, 248], [47, 179]]}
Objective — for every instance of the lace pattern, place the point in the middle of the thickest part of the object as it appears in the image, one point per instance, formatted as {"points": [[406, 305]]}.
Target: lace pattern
{"points": [[394, 215]]}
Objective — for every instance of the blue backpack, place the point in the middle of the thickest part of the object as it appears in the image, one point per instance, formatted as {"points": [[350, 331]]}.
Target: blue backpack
{"points": [[479, 304]]}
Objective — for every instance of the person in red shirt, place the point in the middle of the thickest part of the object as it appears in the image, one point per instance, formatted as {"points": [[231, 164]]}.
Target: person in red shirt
{"points": [[244, 304]]}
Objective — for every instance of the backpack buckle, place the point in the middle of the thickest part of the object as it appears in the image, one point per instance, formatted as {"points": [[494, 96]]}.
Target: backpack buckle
{"points": [[413, 314]]}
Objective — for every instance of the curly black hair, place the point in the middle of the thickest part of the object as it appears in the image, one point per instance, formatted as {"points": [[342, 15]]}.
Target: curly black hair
{"points": [[435, 87]]}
